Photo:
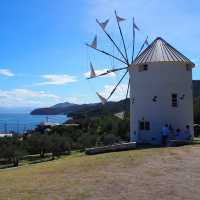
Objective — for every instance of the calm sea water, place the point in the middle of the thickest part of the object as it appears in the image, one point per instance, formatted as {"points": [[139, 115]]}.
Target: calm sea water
{"points": [[22, 122]]}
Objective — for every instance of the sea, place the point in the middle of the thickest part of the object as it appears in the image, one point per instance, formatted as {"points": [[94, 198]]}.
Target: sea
{"points": [[22, 122]]}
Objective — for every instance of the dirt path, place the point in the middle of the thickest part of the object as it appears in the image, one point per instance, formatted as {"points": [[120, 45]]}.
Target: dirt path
{"points": [[173, 174]]}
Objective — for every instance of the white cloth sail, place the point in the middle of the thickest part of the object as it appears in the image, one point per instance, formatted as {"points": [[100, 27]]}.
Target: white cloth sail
{"points": [[103, 24], [92, 72], [146, 41], [94, 43], [134, 25], [103, 100], [120, 19], [120, 115]]}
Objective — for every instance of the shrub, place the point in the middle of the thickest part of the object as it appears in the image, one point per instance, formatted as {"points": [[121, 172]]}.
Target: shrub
{"points": [[110, 139]]}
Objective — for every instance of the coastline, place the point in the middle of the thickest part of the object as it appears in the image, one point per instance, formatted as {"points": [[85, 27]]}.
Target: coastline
{"points": [[21, 122]]}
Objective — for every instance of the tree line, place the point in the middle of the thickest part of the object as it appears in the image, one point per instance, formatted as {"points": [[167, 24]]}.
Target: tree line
{"points": [[59, 140]]}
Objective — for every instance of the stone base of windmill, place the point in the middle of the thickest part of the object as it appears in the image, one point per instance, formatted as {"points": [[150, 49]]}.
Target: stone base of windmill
{"points": [[131, 146], [111, 148], [175, 143]]}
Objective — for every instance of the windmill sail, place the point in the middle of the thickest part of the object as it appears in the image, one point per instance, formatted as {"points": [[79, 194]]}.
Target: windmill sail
{"points": [[92, 72], [134, 25], [103, 24], [146, 41], [94, 43], [120, 19], [120, 115], [103, 100]]}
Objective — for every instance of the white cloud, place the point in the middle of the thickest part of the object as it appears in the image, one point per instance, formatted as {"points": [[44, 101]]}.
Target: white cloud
{"points": [[6, 72], [100, 71], [55, 79], [26, 98], [120, 92]]}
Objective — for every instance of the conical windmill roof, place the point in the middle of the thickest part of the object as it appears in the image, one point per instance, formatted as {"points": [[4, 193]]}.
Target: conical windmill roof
{"points": [[160, 51]]}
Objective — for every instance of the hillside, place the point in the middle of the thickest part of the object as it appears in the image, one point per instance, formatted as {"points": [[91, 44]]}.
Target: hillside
{"points": [[58, 109], [159, 173], [73, 110]]}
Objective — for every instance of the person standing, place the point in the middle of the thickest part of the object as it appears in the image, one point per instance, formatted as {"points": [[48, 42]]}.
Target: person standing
{"points": [[188, 135], [171, 136], [165, 134]]}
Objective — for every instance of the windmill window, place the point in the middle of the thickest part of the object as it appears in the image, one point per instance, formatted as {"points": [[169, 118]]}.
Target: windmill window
{"points": [[144, 125], [147, 126], [174, 100], [145, 67], [154, 99], [141, 124]]}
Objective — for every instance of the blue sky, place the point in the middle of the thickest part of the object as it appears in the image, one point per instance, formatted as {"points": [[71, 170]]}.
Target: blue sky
{"points": [[42, 53]]}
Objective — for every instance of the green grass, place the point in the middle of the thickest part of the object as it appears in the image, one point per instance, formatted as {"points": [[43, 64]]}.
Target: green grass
{"points": [[79, 177]]}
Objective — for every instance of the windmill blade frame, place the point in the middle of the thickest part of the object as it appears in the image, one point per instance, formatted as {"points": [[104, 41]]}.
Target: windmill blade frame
{"points": [[108, 35], [108, 54], [133, 42], [112, 92], [141, 48], [108, 72], [123, 60], [122, 37]]}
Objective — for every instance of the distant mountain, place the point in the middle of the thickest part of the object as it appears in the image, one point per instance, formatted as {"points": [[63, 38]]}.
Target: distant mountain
{"points": [[98, 109], [74, 110], [64, 105], [58, 109]]}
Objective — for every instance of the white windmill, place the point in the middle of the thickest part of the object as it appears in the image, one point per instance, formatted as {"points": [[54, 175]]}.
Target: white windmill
{"points": [[160, 83]]}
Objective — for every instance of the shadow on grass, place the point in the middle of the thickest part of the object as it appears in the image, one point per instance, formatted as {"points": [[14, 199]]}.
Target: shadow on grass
{"points": [[41, 161], [196, 141], [143, 146], [35, 157], [6, 166], [30, 160]]}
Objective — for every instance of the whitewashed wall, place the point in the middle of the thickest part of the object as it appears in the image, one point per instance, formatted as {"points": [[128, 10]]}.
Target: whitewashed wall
{"points": [[161, 80]]}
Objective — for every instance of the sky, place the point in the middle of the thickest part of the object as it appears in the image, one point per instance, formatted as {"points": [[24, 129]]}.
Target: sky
{"points": [[44, 59]]}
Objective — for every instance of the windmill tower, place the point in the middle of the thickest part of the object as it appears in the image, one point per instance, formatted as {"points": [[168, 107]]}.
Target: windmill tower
{"points": [[161, 92], [160, 84]]}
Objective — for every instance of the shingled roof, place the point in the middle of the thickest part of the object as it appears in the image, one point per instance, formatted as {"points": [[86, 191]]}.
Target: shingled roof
{"points": [[161, 51]]}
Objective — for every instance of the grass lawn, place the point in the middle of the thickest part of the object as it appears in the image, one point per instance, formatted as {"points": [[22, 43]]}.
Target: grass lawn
{"points": [[159, 173]]}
